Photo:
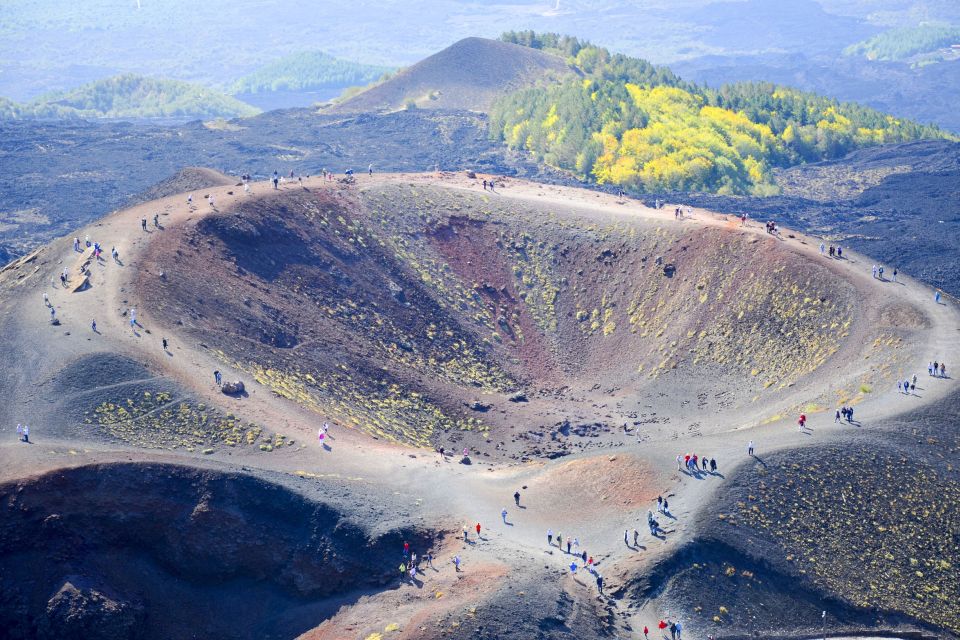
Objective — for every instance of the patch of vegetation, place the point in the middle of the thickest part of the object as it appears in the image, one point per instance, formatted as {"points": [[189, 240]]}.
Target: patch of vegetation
{"points": [[158, 421], [629, 123], [877, 528], [131, 96], [308, 70], [905, 42]]}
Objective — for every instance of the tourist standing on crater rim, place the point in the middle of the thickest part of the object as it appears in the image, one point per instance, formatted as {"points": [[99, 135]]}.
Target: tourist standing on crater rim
{"points": [[750, 448]]}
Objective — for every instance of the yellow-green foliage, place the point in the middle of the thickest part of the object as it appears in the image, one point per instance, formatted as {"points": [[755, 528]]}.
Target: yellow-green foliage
{"points": [[535, 279], [389, 411], [878, 529], [156, 420], [627, 122]]}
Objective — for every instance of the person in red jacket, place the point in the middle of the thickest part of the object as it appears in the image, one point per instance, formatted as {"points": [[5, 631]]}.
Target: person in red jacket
{"points": [[646, 632], [478, 529]]}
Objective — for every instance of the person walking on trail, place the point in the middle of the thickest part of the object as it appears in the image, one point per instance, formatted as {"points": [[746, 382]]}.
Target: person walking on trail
{"points": [[943, 370], [626, 539], [20, 432], [156, 220], [568, 545], [143, 223], [936, 297], [636, 538], [403, 571], [190, 200], [894, 274], [750, 448], [456, 563], [559, 540], [549, 538], [646, 633], [212, 206], [836, 418], [478, 529], [503, 514], [164, 344], [53, 314], [802, 422], [370, 169], [573, 567], [823, 248], [516, 498], [679, 630], [600, 583], [26, 433], [874, 272], [465, 534], [679, 461], [217, 378], [430, 560]]}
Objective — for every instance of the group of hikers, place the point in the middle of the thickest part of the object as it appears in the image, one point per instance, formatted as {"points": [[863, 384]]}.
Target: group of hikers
{"points": [[937, 369], [573, 549], [23, 433], [878, 273], [846, 412], [410, 565], [834, 252], [692, 462]]}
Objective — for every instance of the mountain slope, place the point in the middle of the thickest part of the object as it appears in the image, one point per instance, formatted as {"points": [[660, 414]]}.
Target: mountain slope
{"points": [[307, 70], [469, 74], [133, 96]]}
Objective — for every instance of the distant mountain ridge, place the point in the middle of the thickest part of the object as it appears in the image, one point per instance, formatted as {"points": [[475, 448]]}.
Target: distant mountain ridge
{"points": [[131, 96], [307, 70]]}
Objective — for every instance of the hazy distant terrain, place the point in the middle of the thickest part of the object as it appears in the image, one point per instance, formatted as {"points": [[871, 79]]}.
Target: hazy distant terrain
{"points": [[49, 45]]}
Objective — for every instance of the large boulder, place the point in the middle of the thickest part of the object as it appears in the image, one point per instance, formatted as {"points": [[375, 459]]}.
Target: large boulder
{"points": [[233, 388]]}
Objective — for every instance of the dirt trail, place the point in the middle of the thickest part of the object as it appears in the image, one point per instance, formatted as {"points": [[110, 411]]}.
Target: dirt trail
{"points": [[593, 501]]}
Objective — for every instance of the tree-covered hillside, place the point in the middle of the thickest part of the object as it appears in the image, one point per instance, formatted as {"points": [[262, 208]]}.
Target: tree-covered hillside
{"points": [[131, 96], [629, 123], [307, 70], [905, 42]]}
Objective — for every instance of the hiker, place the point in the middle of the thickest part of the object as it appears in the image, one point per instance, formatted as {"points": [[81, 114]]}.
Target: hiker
{"points": [[484, 185], [573, 567], [76, 244], [549, 537], [626, 539], [894, 274], [840, 252], [943, 370], [646, 633], [212, 206], [832, 251], [26, 433], [430, 560], [370, 169], [246, 187], [660, 504], [406, 548], [568, 545], [823, 248], [413, 559], [478, 529], [713, 465], [559, 540], [636, 538], [600, 583], [276, 182], [679, 629], [190, 200], [679, 458], [583, 557], [836, 418], [115, 254], [929, 368], [849, 414], [516, 498], [442, 452], [143, 223], [704, 462], [20, 432], [413, 573], [93, 325], [673, 630], [403, 571], [164, 344], [503, 514], [156, 220], [321, 434], [750, 448], [936, 297], [936, 367], [881, 272], [465, 534], [456, 562], [874, 272], [802, 422], [53, 314], [217, 378]]}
